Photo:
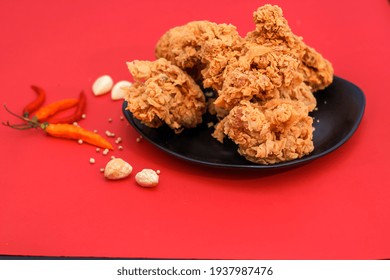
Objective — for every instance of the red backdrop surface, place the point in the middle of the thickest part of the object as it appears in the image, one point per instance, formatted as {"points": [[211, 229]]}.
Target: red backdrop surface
{"points": [[53, 202]]}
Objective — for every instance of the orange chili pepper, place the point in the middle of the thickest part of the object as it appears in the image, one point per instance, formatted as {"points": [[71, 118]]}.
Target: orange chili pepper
{"points": [[36, 103], [77, 115], [70, 131], [51, 109]]}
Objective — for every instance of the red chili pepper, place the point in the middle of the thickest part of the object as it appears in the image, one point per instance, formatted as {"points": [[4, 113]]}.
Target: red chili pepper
{"points": [[36, 103], [78, 113]]}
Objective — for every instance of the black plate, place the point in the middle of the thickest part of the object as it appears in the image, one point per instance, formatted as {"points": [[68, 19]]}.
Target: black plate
{"points": [[340, 110]]}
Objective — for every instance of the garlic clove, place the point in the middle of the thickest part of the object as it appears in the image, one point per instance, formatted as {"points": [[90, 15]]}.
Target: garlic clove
{"points": [[102, 85], [119, 89]]}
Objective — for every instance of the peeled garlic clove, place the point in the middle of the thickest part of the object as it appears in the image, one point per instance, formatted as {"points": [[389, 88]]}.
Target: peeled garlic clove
{"points": [[119, 89], [102, 85]]}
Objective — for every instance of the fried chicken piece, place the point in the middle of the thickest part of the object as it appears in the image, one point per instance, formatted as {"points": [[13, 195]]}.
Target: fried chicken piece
{"points": [[270, 132], [257, 67], [163, 93], [183, 46], [260, 74], [216, 55], [273, 29]]}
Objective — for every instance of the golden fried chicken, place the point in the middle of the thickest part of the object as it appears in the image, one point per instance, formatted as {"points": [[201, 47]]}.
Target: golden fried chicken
{"points": [[263, 85], [270, 132], [163, 93], [263, 73], [183, 46], [272, 29]]}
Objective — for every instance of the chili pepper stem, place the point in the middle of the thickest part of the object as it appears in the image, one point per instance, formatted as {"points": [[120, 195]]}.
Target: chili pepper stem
{"points": [[19, 126], [27, 124], [16, 115]]}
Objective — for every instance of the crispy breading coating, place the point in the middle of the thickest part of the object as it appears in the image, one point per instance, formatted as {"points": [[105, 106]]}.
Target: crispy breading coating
{"points": [[183, 45], [275, 131], [273, 29], [263, 73], [163, 93]]}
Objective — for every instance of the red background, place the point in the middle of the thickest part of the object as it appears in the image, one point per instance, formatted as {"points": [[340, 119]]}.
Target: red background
{"points": [[53, 202]]}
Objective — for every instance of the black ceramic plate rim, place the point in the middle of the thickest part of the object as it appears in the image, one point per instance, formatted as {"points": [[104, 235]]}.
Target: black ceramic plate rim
{"points": [[291, 163]]}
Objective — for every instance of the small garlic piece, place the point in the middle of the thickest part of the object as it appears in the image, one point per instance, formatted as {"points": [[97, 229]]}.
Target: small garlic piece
{"points": [[119, 89], [102, 85], [147, 178], [117, 168]]}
